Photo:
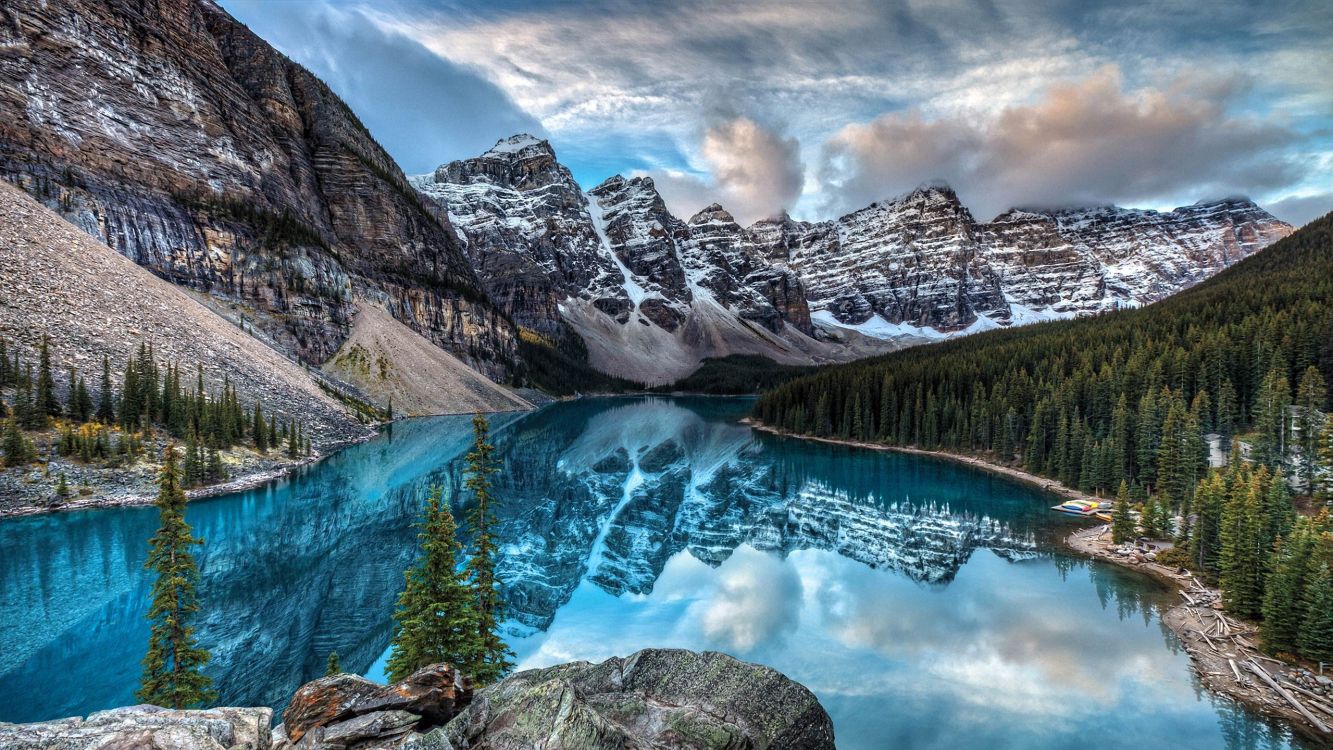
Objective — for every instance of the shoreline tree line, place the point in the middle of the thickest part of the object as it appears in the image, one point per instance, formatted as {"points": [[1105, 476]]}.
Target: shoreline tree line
{"points": [[449, 611], [109, 424], [1121, 405]]}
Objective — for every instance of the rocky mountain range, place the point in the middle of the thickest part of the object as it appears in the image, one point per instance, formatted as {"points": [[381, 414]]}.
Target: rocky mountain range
{"points": [[188, 144], [650, 293], [185, 142]]}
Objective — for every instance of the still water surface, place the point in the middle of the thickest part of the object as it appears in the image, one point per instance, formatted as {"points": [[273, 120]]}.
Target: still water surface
{"points": [[928, 605]]}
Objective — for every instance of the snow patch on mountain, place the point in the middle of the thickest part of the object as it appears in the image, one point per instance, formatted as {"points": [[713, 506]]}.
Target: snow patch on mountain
{"points": [[651, 295]]}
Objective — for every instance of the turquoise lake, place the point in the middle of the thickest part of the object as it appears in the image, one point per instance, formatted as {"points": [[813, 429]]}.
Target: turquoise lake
{"points": [[927, 604]]}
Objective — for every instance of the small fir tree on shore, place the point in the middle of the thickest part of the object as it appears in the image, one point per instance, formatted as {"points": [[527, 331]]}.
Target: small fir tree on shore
{"points": [[332, 666], [1122, 521], [435, 620], [493, 657], [172, 675]]}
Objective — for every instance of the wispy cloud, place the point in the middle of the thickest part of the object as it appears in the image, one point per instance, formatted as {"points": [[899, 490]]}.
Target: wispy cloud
{"points": [[423, 108], [623, 86], [1083, 142]]}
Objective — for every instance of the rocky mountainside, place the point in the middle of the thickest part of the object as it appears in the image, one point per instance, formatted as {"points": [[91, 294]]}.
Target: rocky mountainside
{"points": [[655, 699], [921, 265], [90, 301], [188, 144], [649, 293]]}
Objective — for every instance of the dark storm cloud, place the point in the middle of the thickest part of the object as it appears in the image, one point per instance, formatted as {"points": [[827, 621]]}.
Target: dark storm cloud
{"points": [[1301, 210]]}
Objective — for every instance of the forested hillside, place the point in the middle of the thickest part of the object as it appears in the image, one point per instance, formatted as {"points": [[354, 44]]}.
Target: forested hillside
{"points": [[1093, 401], [1123, 403]]}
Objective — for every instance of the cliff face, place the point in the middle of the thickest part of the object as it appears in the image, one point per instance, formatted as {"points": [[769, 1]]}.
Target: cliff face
{"points": [[188, 144], [650, 294], [922, 261]]}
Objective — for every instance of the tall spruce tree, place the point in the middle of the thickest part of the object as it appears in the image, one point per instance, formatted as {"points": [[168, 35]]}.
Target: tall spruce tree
{"points": [[1282, 610], [1316, 637], [259, 430], [1243, 555], [493, 656], [1270, 417], [1310, 396], [47, 403], [106, 402], [1122, 521], [172, 675], [436, 617], [1206, 539], [332, 666]]}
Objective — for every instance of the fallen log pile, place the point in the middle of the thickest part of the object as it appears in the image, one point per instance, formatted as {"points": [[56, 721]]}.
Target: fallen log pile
{"points": [[1224, 650]]}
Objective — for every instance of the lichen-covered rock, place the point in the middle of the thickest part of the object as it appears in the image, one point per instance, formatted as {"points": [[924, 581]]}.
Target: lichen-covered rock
{"points": [[656, 698], [432, 695], [146, 728]]}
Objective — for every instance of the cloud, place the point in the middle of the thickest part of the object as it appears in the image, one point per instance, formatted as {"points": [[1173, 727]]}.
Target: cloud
{"points": [[1087, 141], [633, 87], [757, 600], [424, 109], [1301, 209], [753, 171]]}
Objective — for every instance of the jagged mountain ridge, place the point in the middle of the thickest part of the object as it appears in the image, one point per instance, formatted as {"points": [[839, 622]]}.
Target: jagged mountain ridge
{"points": [[649, 295], [901, 271], [922, 261], [188, 144]]}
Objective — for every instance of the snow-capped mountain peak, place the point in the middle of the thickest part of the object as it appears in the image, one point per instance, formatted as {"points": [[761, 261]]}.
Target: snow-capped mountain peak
{"points": [[650, 294]]}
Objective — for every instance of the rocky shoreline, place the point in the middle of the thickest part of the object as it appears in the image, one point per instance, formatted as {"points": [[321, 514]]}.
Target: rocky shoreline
{"points": [[1221, 648], [268, 471], [655, 699]]}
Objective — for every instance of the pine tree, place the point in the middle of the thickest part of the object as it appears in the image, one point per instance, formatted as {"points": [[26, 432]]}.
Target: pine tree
{"points": [[172, 676], [292, 450], [106, 405], [1270, 417], [436, 619], [1122, 522], [72, 401], [259, 430], [1316, 637], [83, 401], [1206, 539], [1224, 419], [47, 404], [492, 658], [62, 486], [332, 666], [26, 410], [1279, 514], [18, 449], [1310, 397], [1282, 611], [1242, 558], [193, 472]]}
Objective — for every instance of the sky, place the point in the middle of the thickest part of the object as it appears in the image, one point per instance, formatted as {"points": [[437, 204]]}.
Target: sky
{"points": [[821, 108]]}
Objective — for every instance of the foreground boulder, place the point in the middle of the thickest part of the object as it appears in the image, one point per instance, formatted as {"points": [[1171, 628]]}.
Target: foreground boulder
{"points": [[653, 700], [656, 698], [147, 728], [344, 710]]}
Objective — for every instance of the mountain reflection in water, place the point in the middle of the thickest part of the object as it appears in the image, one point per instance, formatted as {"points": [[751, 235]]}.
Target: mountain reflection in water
{"points": [[927, 604]]}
